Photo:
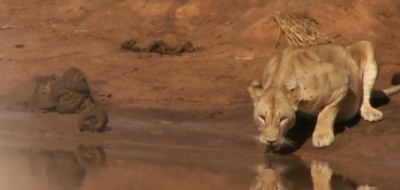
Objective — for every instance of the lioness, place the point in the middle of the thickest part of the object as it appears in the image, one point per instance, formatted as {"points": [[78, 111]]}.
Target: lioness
{"points": [[327, 82]]}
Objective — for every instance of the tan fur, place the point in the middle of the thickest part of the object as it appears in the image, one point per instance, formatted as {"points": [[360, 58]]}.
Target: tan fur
{"points": [[327, 82]]}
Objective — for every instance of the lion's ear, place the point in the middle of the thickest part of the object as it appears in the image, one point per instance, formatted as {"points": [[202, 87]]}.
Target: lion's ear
{"points": [[255, 89]]}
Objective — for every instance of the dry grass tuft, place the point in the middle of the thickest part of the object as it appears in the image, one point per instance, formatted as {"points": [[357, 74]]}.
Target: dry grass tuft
{"points": [[300, 31]]}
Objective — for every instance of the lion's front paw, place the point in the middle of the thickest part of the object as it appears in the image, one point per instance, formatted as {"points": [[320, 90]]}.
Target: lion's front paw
{"points": [[322, 138], [371, 114]]}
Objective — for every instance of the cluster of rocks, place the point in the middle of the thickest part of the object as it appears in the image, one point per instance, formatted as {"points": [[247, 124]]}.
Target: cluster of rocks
{"points": [[161, 47], [69, 92]]}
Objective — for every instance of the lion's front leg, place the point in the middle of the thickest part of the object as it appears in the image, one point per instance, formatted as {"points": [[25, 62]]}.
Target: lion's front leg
{"points": [[323, 132]]}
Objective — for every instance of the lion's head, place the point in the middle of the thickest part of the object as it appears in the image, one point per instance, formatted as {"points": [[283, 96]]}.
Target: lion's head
{"points": [[273, 115]]}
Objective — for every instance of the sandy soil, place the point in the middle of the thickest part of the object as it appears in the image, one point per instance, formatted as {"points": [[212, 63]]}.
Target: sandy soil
{"points": [[194, 99]]}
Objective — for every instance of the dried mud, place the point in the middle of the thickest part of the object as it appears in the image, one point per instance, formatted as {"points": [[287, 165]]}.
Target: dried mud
{"points": [[161, 47]]}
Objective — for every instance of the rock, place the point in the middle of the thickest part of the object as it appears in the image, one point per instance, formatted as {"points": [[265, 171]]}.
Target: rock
{"points": [[58, 89], [75, 80], [93, 118], [69, 92], [70, 103], [42, 98]]}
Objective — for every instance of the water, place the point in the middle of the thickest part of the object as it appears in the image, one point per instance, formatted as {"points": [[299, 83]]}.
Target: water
{"points": [[65, 166]]}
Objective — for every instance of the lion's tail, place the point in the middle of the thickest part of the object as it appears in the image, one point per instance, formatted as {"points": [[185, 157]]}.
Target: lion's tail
{"points": [[394, 89]]}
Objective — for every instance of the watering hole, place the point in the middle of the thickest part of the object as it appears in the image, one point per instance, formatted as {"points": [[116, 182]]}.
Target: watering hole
{"points": [[49, 165]]}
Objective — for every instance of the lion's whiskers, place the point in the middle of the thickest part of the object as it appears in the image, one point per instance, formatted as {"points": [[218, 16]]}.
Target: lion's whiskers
{"points": [[287, 143]]}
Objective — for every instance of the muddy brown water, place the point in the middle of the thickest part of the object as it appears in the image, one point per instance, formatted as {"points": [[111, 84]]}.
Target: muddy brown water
{"points": [[38, 153], [49, 165]]}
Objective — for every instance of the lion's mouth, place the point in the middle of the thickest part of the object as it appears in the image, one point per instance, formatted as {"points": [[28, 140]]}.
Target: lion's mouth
{"points": [[280, 146], [272, 147]]}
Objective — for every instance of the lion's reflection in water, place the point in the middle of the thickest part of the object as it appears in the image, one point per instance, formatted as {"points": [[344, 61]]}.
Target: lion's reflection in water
{"points": [[291, 173], [66, 168]]}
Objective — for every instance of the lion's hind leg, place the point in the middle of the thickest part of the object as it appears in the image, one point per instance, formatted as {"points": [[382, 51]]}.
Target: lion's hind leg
{"points": [[370, 72]]}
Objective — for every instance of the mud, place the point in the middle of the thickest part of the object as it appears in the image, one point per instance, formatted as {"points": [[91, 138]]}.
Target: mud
{"points": [[161, 47], [198, 99]]}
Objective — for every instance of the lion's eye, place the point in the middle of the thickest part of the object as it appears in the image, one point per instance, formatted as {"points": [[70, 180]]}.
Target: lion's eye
{"points": [[282, 120], [262, 118]]}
